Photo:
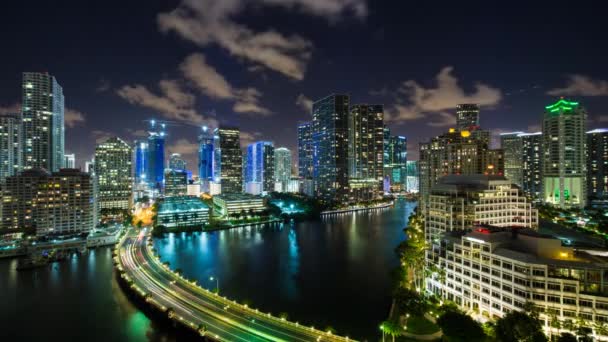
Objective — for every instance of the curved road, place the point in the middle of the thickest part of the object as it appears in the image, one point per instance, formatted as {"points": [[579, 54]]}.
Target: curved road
{"points": [[193, 306]]}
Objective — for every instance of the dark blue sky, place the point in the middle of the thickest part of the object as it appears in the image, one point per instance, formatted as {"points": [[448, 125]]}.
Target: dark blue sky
{"points": [[246, 62]]}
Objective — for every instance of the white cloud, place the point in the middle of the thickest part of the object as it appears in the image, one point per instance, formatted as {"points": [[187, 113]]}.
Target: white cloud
{"points": [[174, 103], [206, 22], [602, 118], [100, 136], [249, 137], [420, 102], [73, 118], [581, 85], [212, 84], [11, 109], [304, 102]]}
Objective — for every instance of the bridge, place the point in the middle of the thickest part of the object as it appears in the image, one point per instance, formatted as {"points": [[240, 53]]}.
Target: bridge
{"points": [[208, 313]]}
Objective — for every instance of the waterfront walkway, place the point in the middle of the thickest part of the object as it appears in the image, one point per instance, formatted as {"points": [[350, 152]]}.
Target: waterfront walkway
{"points": [[199, 309]]}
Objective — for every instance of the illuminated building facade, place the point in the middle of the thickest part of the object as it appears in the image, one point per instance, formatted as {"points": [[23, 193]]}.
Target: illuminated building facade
{"points": [[282, 168], [412, 178], [176, 182], [259, 169], [140, 159], [69, 161], [395, 161], [11, 151], [205, 158], [242, 204], [155, 166], [597, 164], [467, 117], [176, 162], [564, 156], [532, 163], [511, 144], [228, 159], [182, 211], [113, 174], [43, 122], [305, 150]]}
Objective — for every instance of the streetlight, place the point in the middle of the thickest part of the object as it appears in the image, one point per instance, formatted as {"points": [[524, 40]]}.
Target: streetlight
{"points": [[217, 283]]}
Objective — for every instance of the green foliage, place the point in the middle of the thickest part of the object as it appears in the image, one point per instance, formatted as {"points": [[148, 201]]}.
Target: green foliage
{"points": [[457, 326], [519, 326], [409, 301]]}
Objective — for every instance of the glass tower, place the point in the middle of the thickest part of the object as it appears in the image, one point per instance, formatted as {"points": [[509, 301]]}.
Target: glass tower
{"points": [[228, 159], [155, 166], [467, 116], [597, 164], [10, 145], [43, 123], [305, 150], [113, 173], [260, 166], [532, 163], [395, 155], [140, 158], [205, 154], [282, 164], [176, 162], [564, 160], [511, 144]]}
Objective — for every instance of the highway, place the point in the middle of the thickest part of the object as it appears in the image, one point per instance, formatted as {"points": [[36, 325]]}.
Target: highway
{"points": [[200, 309]]}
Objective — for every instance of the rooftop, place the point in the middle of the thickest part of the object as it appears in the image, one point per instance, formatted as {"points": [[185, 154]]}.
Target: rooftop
{"points": [[237, 197], [181, 204]]}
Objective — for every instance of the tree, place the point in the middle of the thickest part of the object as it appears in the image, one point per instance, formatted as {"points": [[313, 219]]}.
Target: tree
{"points": [[519, 326], [391, 328], [457, 326], [566, 337], [409, 301]]}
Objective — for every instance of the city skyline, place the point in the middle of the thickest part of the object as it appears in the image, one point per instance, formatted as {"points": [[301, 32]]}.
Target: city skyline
{"points": [[278, 89]]}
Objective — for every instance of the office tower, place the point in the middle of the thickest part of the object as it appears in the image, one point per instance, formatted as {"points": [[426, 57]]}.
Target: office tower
{"points": [[282, 168], [395, 161], [43, 126], [597, 164], [140, 161], [259, 170], [412, 179], [113, 174], [493, 271], [176, 182], [564, 162], [176, 162], [69, 161], [58, 202], [205, 157], [457, 153], [228, 159], [467, 117], [365, 151], [532, 163], [155, 173], [11, 151], [459, 202], [330, 147], [305, 150], [512, 145], [89, 166]]}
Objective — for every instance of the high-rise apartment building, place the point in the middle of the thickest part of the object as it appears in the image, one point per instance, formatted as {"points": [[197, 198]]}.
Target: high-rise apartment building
{"points": [[282, 164], [205, 155], [597, 164], [305, 150], [395, 161], [330, 147], [365, 151], [113, 174], [69, 161], [43, 122], [467, 117], [176, 182], [11, 151], [140, 161], [61, 202], [155, 166], [459, 202], [176, 162], [511, 144], [532, 163], [228, 159], [564, 156], [259, 171]]}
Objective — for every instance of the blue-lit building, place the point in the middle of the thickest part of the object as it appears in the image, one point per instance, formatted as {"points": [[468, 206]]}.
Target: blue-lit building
{"points": [[205, 154], [395, 161], [259, 172], [155, 173], [305, 150], [140, 161]]}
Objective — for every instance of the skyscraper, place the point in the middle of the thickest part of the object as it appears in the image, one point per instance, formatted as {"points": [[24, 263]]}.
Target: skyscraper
{"points": [[395, 161], [412, 176], [305, 150], [140, 157], [176, 182], [511, 144], [282, 167], [69, 161], [205, 155], [564, 160], [467, 116], [365, 151], [11, 151], [597, 164], [43, 123], [113, 174], [155, 173], [330, 147], [176, 162], [259, 174], [228, 159], [532, 163]]}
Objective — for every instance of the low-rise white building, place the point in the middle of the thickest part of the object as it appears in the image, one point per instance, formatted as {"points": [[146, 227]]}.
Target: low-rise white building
{"points": [[230, 204]]}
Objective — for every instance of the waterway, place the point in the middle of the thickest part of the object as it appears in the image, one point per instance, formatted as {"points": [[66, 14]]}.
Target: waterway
{"points": [[329, 273]]}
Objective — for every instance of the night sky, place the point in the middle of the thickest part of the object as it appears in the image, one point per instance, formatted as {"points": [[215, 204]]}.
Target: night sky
{"points": [[257, 64]]}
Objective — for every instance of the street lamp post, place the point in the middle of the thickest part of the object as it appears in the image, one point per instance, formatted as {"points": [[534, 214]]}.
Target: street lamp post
{"points": [[217, 283]]}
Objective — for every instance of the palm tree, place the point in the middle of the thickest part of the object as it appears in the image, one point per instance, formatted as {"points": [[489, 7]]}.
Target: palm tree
{"points": [[391, 328]]}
